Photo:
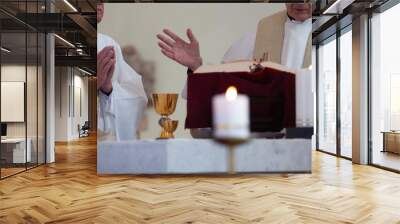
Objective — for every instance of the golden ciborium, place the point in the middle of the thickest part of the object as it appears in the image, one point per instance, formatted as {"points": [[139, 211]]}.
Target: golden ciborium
{"points": [[164, 104]]}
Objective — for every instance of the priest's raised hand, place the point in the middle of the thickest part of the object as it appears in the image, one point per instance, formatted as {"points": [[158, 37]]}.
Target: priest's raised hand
{"points": [[177, 49], [105, 69]]}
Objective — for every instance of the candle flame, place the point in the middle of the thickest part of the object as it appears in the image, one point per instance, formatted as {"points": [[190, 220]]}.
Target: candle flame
{"points": [[231, 93]]}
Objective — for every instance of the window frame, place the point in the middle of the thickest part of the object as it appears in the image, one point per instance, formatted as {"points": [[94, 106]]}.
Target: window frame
{"points": [[334, 37]]}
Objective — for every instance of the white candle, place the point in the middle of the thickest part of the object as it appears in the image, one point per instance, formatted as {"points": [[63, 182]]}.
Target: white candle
{"points": [[231, 115]]}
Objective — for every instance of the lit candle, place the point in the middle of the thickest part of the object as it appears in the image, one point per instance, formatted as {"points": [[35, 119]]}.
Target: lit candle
{"points": [[231, 115]]}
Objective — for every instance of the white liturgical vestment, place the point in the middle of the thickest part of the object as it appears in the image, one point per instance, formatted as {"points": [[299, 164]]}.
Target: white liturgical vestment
{"points": [[121, 111], [294, 45]]}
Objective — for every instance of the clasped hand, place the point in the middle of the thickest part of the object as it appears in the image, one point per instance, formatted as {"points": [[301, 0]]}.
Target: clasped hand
{"points": [[105, 69]]}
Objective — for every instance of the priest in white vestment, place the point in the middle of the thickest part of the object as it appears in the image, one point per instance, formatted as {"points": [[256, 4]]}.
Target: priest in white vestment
{"points": [[122, 99], [285, 36]]}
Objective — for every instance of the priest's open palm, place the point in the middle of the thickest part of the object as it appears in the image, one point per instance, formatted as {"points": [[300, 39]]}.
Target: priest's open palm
{"points": [[175, 48]]}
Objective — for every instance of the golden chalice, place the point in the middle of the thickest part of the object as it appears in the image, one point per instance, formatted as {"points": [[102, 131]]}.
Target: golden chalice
{"points": [[165, 104]]}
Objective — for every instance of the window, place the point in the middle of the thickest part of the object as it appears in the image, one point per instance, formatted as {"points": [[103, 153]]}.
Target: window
{"points": [[329, 112], [22, 78], [385, 89], [346, 93], [327, 97]]}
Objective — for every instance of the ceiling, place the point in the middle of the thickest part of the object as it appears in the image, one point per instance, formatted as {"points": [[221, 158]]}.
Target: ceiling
{"points": [[72, 20], [332, 15]]}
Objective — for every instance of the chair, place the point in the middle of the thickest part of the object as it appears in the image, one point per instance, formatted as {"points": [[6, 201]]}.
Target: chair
{"points": [[84, 130]]}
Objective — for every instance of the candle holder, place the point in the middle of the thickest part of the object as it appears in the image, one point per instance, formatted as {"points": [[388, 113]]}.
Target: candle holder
{"points": [[164, 105], [231, 143]]}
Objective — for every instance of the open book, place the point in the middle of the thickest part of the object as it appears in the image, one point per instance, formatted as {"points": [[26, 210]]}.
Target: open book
{"points": [[304, 86], [240, 66]]}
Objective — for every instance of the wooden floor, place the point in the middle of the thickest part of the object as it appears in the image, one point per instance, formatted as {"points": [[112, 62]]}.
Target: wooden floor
{"points": [[69, 191], [5, 172]]}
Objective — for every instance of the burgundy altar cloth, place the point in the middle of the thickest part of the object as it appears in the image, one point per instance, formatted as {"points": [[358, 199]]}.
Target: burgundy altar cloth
{"points": [[271, 93]]}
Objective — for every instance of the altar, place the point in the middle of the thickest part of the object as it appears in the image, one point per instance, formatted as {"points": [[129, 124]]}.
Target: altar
{"points": [[203, 156], [237, 108]]}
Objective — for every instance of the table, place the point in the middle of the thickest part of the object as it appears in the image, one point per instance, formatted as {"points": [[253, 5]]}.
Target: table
{"points": [[13, 150], [391, 141], [199, 156]]}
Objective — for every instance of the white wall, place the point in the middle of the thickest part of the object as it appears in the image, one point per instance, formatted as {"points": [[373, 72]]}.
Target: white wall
{"points": [[68, 81], [17, 73], [14, 73], [215, 25], [61, 103]]}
